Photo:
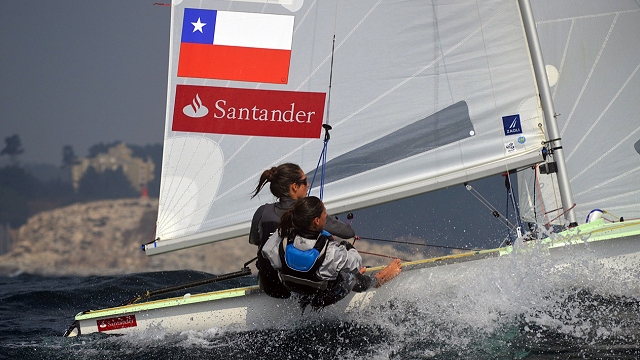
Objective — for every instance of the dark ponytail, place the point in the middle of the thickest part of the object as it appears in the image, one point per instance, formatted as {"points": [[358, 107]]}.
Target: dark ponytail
{"points": [[301, 215], [281, 178]]}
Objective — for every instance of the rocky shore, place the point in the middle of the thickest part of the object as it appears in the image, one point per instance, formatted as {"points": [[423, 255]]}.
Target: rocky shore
{"points": [[105, 237]]}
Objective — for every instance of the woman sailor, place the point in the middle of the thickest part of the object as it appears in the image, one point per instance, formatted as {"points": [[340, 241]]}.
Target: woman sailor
{"points": [[288, 183], [315, 265]]}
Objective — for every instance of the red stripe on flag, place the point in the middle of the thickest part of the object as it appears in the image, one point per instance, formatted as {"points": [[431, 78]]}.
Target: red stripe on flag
{"points": [[234, 63]]}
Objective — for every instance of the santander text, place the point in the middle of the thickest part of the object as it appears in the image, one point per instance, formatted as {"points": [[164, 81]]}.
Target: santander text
{"points": [[259, 114]]}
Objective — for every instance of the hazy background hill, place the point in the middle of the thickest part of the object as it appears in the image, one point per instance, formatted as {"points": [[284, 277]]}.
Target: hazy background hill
{"points": [[29, 188], [83, 218], [104, 237]]}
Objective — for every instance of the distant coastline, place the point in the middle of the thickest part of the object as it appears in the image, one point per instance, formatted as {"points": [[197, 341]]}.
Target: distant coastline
{"points": [[104, 237]]}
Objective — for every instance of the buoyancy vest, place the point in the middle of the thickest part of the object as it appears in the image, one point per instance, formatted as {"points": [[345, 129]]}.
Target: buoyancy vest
{"points": [[269, 222], [299, 268], [268, 277]]}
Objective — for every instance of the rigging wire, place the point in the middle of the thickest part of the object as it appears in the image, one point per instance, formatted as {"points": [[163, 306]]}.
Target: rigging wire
{"points": [[513, 201], [538, 194], [504, 219], [326, 126], [492, 208], [322, 162], [416, 243], [510, 196]]}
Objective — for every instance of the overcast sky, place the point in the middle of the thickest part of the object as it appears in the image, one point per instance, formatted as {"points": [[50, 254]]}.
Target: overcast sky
{"points": [[80, 72]]}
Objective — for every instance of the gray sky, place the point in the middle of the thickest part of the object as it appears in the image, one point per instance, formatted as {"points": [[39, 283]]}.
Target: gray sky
{"points": [[80, 72]]}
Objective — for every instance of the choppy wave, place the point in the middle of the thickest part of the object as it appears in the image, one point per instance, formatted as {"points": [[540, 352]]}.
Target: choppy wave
{"points": [[521, 306]]}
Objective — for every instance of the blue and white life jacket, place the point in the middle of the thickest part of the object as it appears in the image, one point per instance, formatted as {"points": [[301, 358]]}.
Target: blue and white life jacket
{"points": [[300, 267]]}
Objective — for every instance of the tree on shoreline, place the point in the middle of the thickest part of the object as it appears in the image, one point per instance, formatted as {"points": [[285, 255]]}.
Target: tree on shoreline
{"points": [[24, 194], [68, 156], [13, 148]]}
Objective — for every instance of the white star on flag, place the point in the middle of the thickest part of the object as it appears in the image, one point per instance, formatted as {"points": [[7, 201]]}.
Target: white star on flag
{"points": [[197, 26]]}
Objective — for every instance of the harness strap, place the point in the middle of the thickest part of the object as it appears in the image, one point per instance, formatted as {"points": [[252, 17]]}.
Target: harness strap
{"points": [[303, 280], [320, 285]]}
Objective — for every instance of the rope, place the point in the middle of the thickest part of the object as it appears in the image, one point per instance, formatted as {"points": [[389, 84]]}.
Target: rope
{"points": [[618, 218], [539, 192], [562, 213], [322, 160], [381, 255], [403, 242], [414, 243], [148, 294], [375, 254], [607, 212]]}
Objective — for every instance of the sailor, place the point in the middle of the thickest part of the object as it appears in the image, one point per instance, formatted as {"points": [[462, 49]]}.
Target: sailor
{"points": [[288, 183], [313, 264]]}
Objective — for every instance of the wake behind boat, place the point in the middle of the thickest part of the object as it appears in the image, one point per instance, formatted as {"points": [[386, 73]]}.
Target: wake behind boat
{"points": [[420, 96]]}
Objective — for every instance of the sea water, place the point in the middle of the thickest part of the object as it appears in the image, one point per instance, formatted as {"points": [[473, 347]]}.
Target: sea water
{"points": [[523, 306]]}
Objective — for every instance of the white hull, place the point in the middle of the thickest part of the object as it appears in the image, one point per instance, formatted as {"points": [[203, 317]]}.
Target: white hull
{"points": [[605, 247]]}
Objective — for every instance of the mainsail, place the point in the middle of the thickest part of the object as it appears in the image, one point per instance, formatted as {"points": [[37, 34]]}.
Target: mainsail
{"points": [[592, 52], [420, 95]]}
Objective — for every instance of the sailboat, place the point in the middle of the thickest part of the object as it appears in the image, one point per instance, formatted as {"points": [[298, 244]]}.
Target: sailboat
{"points": [[419, 95]]}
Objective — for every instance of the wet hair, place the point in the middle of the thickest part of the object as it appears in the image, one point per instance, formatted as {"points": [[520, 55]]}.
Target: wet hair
{"points": [[280, 179], [301, 215]]}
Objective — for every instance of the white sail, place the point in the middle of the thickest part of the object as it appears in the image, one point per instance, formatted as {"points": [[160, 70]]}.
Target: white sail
{"points": [[420, 95], [592, 53], [412, 109]]}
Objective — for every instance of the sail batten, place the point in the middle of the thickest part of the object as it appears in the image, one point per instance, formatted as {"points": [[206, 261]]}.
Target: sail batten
{"points": [[355, 200], [423, 96]]}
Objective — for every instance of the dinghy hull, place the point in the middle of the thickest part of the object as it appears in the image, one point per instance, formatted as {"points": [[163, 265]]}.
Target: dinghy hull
{"points": [[613, 247]]}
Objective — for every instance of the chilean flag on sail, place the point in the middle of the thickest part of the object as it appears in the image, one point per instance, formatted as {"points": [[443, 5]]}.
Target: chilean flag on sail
{"points": [[239, 46]]}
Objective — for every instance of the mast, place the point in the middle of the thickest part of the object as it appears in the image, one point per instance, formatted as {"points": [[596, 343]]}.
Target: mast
{"points": [[546, 101]]}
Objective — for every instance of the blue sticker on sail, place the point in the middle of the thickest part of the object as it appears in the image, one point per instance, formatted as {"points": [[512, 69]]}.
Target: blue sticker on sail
{"points": [[512, 124]]}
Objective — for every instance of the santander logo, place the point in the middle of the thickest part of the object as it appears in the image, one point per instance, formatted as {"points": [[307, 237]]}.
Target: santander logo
{"points": [[115, 323], [195, 109], [248, 112]]}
